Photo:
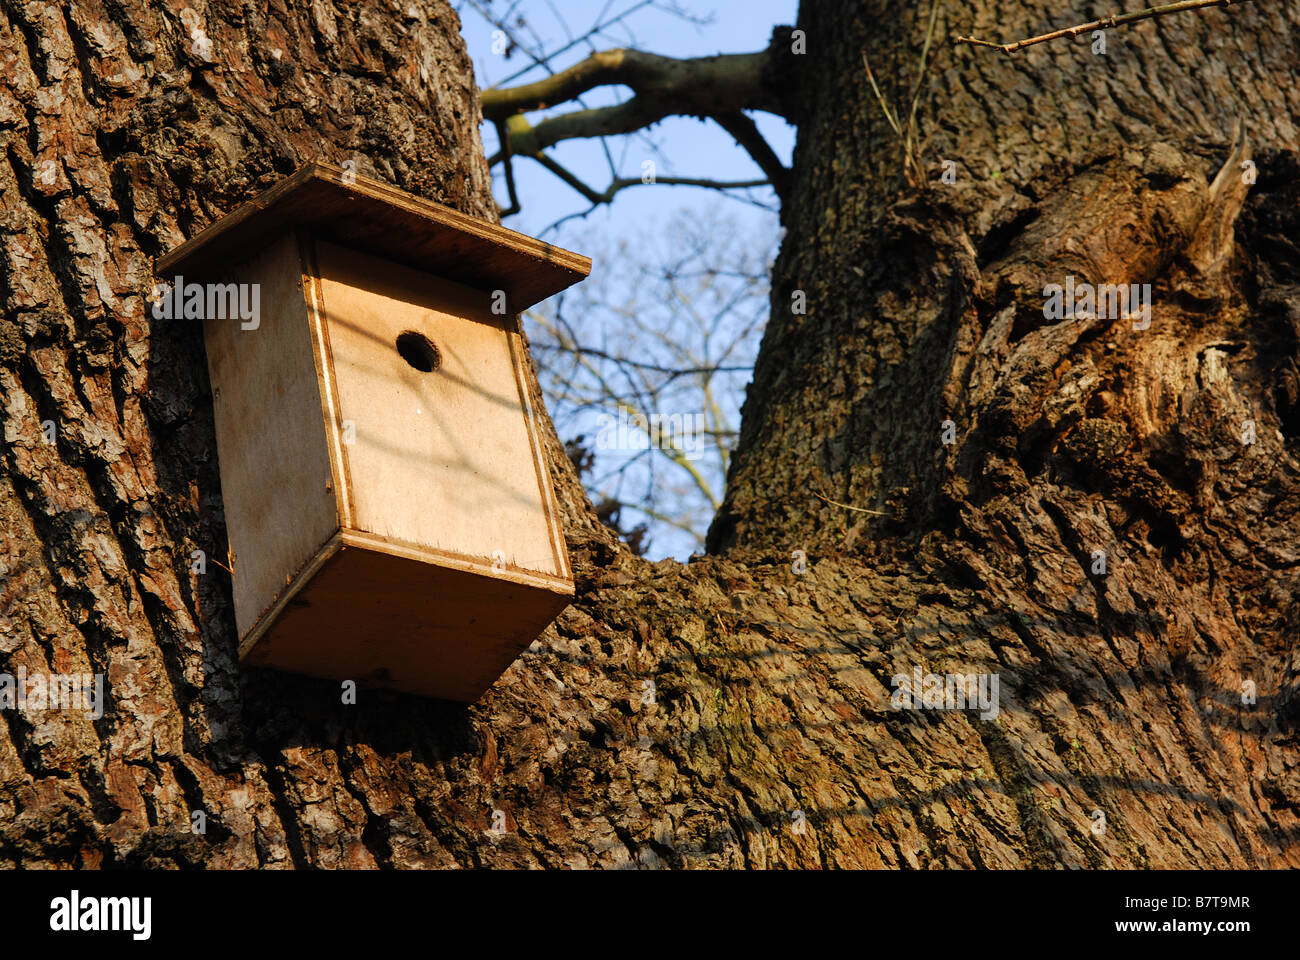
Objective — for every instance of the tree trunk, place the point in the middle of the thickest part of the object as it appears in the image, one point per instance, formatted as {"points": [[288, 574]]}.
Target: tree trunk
{"points": [[1122, 685], [732, 711]]}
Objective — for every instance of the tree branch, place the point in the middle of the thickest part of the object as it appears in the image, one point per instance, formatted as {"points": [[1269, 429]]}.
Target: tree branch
{"points": [[1105, 23], [746, 133], [510, 172], [628, 117], [699, 86], [719, 87]]}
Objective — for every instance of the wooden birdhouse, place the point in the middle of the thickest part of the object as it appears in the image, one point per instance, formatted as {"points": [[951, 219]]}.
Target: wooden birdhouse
{"points": [[388, 505]]}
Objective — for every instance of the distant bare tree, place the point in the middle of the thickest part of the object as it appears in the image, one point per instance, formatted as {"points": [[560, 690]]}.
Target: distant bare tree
{"points": [[644, 367]]}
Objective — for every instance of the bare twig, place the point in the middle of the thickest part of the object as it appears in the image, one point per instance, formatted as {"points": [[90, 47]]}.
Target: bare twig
{"points": [[906, 132], [920, 73], [911, 167], [595, 30], [849, 506], [1105, 23]]}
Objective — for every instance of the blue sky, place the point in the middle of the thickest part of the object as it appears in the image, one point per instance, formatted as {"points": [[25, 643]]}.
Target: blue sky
{"points": [[642, 227]]}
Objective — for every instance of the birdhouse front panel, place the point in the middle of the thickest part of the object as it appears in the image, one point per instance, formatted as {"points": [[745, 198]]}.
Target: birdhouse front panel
{"points": [[439, 447], [389, 510]]}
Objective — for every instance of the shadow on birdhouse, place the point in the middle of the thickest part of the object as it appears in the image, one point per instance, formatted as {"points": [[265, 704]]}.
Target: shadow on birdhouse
{"points": [[388, 504]]}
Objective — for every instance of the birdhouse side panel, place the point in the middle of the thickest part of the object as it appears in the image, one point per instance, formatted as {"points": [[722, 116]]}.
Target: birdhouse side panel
{"points": [[439, 449], [276, 481]]}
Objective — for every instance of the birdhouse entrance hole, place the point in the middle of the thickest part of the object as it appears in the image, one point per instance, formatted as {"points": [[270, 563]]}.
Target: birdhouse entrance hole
{"points": [[419, 351]]}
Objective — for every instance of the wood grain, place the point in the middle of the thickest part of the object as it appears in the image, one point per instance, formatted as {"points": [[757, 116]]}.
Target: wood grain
{"points": [[441, 458], [271, 442], [402, 624]]}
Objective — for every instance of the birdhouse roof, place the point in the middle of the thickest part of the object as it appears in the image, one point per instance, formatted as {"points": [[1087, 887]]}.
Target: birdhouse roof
{"points": [[377, 218]]}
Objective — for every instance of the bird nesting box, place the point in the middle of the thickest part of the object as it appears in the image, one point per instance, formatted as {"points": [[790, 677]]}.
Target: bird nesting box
{"points": [[388, 505]]}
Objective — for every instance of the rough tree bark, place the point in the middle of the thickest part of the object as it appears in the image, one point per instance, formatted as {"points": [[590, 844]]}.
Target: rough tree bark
{"points": [[680, 714]]}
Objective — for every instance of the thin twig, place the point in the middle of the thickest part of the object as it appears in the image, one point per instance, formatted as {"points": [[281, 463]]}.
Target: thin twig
{"points": [[920, 74], [849, 506], [906, 134], [1105, 23], [884, 106]]}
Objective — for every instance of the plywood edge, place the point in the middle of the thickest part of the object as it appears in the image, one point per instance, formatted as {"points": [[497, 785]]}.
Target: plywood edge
{"points": [[549, 504], [363, 540], [232, 222], [300, 580], [323, 356], [429, 210]]}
